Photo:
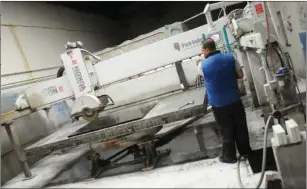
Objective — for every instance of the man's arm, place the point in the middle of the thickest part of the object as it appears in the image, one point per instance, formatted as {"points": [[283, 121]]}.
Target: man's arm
{"points": [[239, 70], [199, 67]]}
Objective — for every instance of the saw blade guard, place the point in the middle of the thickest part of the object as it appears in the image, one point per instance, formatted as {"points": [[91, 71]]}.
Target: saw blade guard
{"points": [[88, 107]]}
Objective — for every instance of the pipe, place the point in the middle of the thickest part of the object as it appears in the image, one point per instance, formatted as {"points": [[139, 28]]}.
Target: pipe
{"points": [[263, 157], [226, 40], [19, 152], [208, 16], [50, 28], [26, 82], [222, 4], [210, 7], [265, 67], [197, 15], [31, 71]]}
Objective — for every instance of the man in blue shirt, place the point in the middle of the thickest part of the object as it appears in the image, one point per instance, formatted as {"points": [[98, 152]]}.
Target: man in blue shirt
{"points": [[221, 71]]}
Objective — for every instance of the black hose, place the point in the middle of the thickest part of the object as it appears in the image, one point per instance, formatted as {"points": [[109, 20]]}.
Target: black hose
{"points": [[266, 61], [279, 56], [205, 103], [290, 64]]}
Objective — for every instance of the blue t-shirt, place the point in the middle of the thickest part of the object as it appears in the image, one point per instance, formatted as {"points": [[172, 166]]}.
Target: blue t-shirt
{"points": [[221, 79]]}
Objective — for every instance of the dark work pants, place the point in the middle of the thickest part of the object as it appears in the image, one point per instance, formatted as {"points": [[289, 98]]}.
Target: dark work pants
{"points": [[232, 120]]}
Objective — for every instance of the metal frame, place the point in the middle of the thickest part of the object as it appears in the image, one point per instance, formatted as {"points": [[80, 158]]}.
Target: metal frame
{"points": [[145, 151], [118, 131]]}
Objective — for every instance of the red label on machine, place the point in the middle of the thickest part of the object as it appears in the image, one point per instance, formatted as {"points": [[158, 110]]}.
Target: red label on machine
{"points": [[61, 89], [259, 8]]}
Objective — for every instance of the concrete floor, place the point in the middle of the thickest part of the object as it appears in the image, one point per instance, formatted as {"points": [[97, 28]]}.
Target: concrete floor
{"points": [[60, 170], [74, 167], [200, 174]]}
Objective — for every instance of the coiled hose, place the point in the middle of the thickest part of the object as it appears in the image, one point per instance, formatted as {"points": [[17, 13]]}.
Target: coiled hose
{"points": [[263, 157]]}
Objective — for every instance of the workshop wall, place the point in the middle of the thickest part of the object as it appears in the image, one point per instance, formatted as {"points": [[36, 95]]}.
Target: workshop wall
{"points": [[164, 14], [33, 36]]}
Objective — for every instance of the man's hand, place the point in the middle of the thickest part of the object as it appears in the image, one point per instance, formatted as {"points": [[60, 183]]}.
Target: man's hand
{"points": [[239, 70], [240, 73]]}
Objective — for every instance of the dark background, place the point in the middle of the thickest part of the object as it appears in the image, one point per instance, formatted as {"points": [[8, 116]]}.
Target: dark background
{"points": [[140, 17]]}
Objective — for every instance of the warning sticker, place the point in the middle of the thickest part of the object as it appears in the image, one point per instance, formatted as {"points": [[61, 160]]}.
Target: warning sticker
{"points": [[259, 8]]}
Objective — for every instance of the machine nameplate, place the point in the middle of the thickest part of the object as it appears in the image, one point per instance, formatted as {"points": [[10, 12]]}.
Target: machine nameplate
{"points": [[79, 78], [48, 92], [77, 74]]}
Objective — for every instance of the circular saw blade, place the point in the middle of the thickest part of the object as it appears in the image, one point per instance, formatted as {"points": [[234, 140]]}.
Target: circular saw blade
{"points": [[90, 117]]}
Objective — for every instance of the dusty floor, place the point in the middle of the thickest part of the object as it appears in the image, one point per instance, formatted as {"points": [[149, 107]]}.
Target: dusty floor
{"points": [[71, 167], [201, 174]]}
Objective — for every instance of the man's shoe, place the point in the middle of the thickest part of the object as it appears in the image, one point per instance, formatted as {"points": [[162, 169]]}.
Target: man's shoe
{"points": [[243, 158], [222, 160]]}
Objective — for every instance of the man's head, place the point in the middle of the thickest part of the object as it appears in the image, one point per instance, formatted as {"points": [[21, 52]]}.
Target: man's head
{"points": [[208, 46]]}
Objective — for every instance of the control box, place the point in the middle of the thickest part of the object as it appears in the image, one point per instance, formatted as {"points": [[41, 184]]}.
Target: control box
{"points": [[221, 40]]}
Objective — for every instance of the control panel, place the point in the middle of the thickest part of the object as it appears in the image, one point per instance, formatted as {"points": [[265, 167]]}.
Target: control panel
{"points": [[219, 40]]}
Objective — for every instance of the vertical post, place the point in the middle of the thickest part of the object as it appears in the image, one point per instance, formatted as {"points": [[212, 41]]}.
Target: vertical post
{"points": [[226, 40], [182, 78], [200, 138], [19, 152], [0, 164]]}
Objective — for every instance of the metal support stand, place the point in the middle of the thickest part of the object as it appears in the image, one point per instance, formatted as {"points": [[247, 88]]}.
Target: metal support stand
{"points": [[181, 75], [152, 156], [145, 152], [19, 152], [200, 139]]}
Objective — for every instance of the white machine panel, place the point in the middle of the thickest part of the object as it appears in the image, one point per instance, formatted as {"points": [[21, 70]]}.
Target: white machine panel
{"points": [[252, 41], [48, 92], [152, 56], [77, 73]]}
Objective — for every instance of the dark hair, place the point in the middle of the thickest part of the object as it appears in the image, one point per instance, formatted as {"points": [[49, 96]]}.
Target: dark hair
{"points": [[209, 44]]}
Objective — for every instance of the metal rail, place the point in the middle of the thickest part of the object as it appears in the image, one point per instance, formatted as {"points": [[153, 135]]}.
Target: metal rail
{"points": [[116, 132]]}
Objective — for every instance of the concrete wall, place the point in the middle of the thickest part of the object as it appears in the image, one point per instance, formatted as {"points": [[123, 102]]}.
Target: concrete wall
{"points": [[33, 36]]}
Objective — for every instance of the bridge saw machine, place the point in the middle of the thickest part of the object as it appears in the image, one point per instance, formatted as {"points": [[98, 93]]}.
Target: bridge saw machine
{"points": [[84, 79]]}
